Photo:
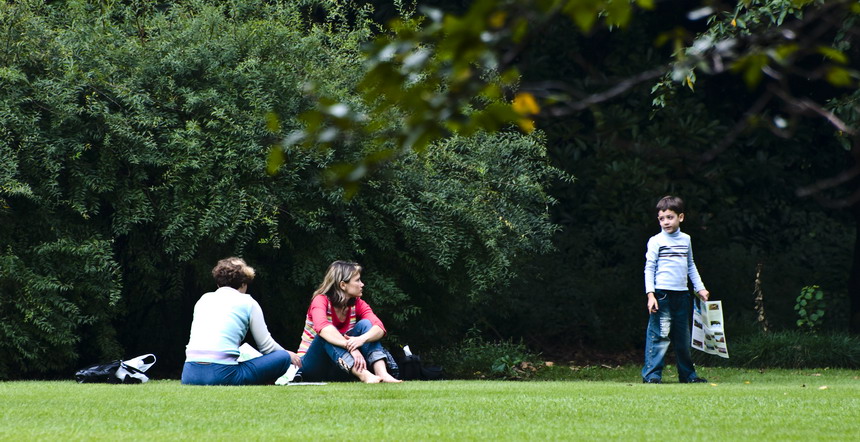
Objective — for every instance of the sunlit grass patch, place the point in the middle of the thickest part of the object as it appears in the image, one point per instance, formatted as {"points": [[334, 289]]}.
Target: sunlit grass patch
{"points": [[607, 403]]}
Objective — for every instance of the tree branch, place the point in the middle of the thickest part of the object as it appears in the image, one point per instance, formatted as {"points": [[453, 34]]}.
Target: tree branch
{"points": [[739, 127], [592, 99]]}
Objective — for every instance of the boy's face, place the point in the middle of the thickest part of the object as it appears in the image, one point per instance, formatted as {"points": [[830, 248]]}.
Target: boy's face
{"points": [[669, 220]]}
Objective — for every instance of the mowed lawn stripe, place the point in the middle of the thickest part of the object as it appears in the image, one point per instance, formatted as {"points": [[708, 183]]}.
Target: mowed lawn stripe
{"points": [[777, 405]]}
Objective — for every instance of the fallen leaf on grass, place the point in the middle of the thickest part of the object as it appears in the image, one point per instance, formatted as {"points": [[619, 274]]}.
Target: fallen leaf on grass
{"points": [[713, 385], [525, 365], [823, 387], [549, 363]]}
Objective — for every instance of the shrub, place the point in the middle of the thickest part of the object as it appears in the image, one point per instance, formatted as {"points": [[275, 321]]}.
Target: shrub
{"points": [[810, 308], [790, 349], [477, 358]]}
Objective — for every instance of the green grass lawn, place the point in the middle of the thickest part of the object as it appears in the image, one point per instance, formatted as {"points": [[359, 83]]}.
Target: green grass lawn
{"points": [[594, 403]]}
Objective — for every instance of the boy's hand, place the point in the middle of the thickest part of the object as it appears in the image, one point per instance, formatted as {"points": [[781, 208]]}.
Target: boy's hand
{"points": [[704, 294], [652, 304]]}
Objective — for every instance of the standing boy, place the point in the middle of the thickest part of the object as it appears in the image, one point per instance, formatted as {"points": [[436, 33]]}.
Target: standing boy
{"points": [[668, 264]]}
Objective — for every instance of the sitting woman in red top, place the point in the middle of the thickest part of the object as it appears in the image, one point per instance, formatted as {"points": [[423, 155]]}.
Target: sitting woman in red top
{"points": [[341, 336]]}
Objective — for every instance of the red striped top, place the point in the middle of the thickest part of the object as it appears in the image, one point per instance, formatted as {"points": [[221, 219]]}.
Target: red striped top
{"points": [[320, 316]]}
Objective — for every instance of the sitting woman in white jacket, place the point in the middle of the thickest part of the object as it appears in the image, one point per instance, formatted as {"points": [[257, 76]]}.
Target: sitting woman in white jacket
{"points": [[221, 320]]}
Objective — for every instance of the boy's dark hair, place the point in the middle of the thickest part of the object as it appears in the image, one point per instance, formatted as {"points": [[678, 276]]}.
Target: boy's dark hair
{"points": [[673, 203]]}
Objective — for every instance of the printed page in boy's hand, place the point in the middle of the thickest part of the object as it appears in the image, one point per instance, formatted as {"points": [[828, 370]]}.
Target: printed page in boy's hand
{"points": [[709, 334]]}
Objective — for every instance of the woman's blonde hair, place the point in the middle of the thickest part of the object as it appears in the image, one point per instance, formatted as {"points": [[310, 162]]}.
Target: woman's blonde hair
{"points": [[232, 272], [338, 271]]}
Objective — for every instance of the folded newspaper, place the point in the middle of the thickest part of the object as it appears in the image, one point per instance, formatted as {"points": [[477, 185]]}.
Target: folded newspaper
{"points": [[709, 333], [247, 352]]}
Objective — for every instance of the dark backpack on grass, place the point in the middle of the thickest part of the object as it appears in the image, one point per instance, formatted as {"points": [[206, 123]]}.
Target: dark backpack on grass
{"points": [[411, 368]]}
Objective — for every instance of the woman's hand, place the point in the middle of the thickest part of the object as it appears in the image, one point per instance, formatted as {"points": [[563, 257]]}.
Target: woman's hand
{"points": [[360, 364], [355, 342], [295, 359]]}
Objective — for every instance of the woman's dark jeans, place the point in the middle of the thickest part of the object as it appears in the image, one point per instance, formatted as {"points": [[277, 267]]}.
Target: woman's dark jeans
{"points": [[258, 371], [326, 362]]}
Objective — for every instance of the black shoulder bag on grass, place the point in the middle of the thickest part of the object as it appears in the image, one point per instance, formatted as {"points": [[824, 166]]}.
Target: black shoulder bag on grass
{"points": [[117, 372]]}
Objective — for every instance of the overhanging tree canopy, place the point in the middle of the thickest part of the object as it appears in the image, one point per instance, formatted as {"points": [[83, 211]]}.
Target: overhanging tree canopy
{"points": [[134, 142]]}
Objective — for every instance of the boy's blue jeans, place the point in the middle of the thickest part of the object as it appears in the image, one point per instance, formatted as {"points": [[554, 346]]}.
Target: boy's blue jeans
{"points": [[258, 371], [326, 362], [670, 324]]}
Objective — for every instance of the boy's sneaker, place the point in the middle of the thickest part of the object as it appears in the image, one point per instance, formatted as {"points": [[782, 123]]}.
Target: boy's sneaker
{"points": [[697, 381], [652, 381]]}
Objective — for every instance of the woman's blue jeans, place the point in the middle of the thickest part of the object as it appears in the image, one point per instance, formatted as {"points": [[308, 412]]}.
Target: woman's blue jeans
{"points": [[670, 324], [258, 371], [327, 362]]}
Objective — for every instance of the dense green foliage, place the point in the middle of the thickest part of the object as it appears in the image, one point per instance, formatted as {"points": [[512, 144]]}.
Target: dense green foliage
{"points": [[136, 148], [134, 143], [635, 118], [451, 74], [742, 204]]}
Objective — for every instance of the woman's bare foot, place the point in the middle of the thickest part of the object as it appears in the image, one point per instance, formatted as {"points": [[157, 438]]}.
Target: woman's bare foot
{"points": [[367, 377], [381, 370], [388, 378]]}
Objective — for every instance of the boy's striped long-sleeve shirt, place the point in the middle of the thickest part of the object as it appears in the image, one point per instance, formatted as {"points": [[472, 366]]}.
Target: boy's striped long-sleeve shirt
{"points": [[669, 262]]}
